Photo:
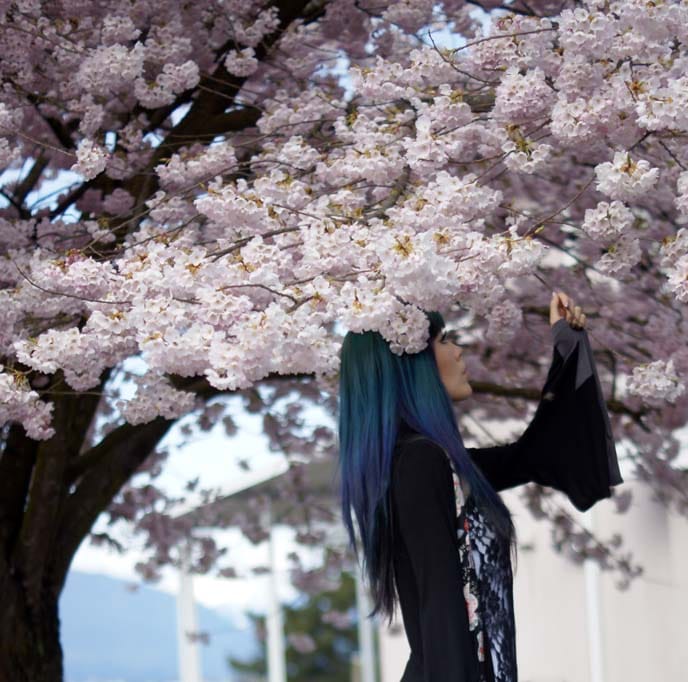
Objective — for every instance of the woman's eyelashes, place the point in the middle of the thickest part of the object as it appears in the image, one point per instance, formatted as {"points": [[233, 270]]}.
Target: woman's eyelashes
{"points": [[449, 336]]}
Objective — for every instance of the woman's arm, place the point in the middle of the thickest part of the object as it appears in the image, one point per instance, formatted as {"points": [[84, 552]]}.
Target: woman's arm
{"points": [[568, 444], [505, 465], [425, 507]]}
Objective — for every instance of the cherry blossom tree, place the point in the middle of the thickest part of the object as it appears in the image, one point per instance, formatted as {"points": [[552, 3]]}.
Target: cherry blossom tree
{"points": [[213, 190]]}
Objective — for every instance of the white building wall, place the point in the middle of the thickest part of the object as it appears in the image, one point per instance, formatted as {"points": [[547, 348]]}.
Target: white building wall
{"points": [[393, 650], [644, 630]]}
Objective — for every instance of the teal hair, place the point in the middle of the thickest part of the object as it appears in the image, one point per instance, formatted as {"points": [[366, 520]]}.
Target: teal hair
{"points": [[378, 388]]}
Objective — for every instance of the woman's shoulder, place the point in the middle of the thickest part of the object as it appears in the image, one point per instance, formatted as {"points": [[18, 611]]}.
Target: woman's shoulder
{"points": [[422, 475], [419, 453], [423, 459], [409, 438]]}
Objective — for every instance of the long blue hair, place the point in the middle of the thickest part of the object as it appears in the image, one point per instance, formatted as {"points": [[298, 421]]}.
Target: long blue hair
{"points": [[378, 388]]}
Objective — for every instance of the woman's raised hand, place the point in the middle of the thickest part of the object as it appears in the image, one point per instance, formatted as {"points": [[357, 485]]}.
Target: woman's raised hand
{"points": [[561, 307]]}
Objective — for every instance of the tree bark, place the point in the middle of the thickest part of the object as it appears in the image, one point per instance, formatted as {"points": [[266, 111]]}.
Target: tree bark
{"points": [[30, 649]]}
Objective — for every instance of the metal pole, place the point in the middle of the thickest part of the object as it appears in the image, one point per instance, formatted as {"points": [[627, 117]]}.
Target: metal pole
{"points": [[277, 665], [188, 649], [592, 599]]}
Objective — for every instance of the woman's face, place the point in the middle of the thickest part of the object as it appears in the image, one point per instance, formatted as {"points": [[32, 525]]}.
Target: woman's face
{"points": [[449, 357]]}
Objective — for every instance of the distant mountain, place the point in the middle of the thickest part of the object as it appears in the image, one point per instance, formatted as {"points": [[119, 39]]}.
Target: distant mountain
{"points": [[110, 634]]}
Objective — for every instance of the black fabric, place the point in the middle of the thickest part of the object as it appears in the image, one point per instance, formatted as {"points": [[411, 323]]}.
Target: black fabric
{"points": [[427, 567], [484, 570], [568, 445]]}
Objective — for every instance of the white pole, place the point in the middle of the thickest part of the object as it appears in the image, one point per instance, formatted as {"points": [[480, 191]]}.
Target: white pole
{"points": [[277, 666], [189, 654], [592, 598], [365, 629]]}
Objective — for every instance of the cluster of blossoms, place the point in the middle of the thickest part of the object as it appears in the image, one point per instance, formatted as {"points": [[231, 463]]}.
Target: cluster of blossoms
{"points": [[607, 221], [196, 165], [682, 197], [20, 404], [407, 323], [674, 260], [91, 159], [424, 176], [522, 98], [155, 397], [339, 619], [241, 62], [301, 642], [625, 179], [656, 382], [523, 156], [9, 123]]}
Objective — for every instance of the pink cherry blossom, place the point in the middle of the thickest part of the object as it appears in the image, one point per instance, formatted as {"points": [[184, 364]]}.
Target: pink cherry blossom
{"points": [[624, 178], [91, 159]]}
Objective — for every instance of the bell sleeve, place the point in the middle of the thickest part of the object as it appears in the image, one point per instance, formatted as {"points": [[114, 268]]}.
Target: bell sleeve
{"points": [[569, 444], [425, 507]]}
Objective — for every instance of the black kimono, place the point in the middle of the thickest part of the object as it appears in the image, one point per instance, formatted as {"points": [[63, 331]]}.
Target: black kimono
{"points": [[453, 578]]}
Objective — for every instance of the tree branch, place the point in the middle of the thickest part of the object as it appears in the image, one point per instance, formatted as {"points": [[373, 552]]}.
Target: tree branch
{"points": [[16, 464], [40, 501], [486, 387], [123, 451], [27, 184]]}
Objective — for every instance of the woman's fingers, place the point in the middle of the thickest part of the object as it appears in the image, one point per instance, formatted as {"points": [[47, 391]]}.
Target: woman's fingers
{"points": [[563, 306], [577, 318]]}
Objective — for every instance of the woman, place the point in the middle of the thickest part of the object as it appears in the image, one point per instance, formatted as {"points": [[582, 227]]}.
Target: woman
{"points": [[434, 532]]}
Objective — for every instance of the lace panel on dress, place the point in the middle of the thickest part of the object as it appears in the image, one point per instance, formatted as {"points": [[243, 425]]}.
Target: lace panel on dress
{"points": [[487, 587]]}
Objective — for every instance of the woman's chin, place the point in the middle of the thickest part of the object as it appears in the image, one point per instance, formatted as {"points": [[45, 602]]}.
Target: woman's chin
{"points": [[463, 391]]}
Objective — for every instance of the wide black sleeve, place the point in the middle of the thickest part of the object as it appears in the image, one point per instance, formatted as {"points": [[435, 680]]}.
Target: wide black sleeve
{"points": [[424, 502], [569, 444]]}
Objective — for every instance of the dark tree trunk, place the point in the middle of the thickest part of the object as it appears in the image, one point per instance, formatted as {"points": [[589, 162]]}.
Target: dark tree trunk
{"points": [[30, 648]]}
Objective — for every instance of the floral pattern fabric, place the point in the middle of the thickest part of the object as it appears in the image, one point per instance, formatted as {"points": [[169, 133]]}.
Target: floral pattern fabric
{"points": [[487, 589]]}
